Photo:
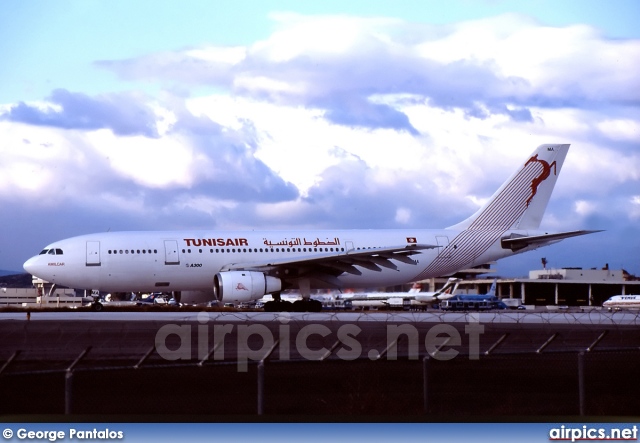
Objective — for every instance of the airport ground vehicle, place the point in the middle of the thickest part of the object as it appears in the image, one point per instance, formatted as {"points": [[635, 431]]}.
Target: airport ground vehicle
{"points": [[155, 298], [472, 303]]}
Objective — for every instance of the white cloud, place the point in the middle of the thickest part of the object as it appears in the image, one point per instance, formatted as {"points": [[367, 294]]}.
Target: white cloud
{"points": [[555, 61], [229, 55], [620, 129], [36, 162], [403, 215], [585, 208], [200, 203], [328, 36], [168, 161], [634, 207]]}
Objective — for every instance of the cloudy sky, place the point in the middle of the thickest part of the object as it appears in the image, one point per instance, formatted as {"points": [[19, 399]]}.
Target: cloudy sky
{"points": [[120, 115]]}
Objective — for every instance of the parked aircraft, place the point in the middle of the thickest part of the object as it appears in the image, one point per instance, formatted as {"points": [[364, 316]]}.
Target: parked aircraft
{"points": [[622, 302], [474, 301], [395, 299], [492, 289], [244, 266]]}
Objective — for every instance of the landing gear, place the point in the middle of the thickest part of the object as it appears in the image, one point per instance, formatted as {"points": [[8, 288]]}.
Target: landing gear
{"points": [[278, 306], [304, 305], [296, 306], [96, 306], [307, 305]]}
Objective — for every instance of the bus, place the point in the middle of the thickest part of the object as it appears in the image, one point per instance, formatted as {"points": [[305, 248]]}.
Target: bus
{"points": [[468, 302]]}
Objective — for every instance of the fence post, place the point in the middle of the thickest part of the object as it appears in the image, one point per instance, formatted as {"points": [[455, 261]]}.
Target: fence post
{"points": [[68, 381], [581, 383], [425, 383], [261, 387], [68, 391]]}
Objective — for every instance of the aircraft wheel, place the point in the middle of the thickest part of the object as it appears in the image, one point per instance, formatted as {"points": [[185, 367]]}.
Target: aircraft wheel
{"points": [[307, 306], [278, 306], [315, 306], [97, 307], [299, 306]]}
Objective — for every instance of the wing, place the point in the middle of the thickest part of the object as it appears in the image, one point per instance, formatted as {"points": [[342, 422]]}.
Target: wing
{"points": [[516, 242], [327, 267]]}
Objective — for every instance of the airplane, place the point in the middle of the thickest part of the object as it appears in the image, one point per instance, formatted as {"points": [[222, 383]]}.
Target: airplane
{"points": [[384, 299], [492, 289], [241, 266], [475, 301], [622, 302]]}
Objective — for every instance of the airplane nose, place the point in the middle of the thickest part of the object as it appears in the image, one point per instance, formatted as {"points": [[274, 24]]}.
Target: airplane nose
{"points": [[30, 265]]}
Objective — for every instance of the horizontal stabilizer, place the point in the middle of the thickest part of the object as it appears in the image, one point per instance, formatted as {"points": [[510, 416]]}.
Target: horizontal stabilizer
{"points": [[516, 242]]}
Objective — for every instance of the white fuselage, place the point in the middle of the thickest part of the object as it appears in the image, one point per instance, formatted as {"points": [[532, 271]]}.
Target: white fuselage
{"points": [[623, 302], [188, 260], [380, 299]]}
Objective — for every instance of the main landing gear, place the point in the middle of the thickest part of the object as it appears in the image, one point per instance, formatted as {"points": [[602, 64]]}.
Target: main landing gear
{"points": [[307, 305], [304, 305], [278, 306]]}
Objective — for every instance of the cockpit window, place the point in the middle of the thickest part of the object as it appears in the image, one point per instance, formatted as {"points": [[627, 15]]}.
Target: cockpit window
{"points": [[44, 251], [52, 251]]}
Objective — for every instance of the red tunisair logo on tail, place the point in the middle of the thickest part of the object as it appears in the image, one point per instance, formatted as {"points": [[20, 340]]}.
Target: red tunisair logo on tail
{"points": [[546, 171]]}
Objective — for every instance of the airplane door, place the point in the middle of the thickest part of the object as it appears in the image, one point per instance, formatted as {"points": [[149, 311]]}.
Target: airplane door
{"points": [[443, 242], [93, 253], [171, 255]]}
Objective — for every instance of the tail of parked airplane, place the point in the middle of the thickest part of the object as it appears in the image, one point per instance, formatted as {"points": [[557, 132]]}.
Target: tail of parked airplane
{"points": [[449, 287], [492, 289], [521, 201], [518, 207]]}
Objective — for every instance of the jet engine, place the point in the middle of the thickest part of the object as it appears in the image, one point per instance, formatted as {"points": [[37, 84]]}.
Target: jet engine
{"points": [[243, 286]]}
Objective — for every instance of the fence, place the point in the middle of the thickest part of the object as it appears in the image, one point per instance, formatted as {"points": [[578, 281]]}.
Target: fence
{"points": [[493, 386]]}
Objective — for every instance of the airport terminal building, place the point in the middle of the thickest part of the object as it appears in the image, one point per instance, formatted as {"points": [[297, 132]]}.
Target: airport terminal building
{"points": [[548, 287]]}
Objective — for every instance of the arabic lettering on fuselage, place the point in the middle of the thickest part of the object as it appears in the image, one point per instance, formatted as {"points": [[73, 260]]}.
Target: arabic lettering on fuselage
{"points": [[197, 242], [303, 242]]}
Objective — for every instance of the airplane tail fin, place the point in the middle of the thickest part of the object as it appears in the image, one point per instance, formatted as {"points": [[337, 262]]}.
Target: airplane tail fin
{"points": [[521, 201], [492, 289], [449, 289]]}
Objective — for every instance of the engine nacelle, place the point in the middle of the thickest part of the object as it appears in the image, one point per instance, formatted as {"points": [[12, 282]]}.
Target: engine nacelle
{"points": [[243, 286]]}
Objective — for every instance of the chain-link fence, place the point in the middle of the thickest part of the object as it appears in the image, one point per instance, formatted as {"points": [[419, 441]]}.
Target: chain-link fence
{"points": [[493, 386]]}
